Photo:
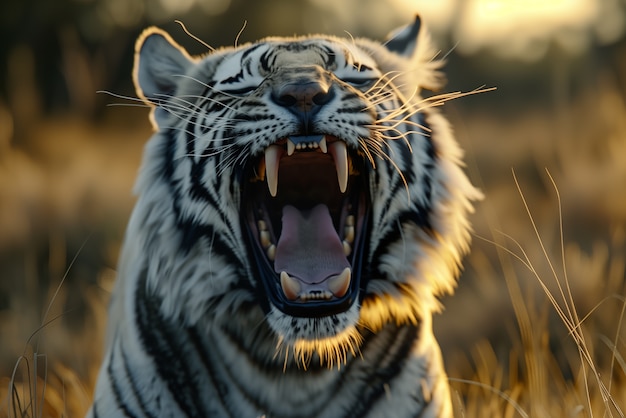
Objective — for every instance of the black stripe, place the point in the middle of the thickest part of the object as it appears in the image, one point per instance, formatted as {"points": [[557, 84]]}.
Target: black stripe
{"points": [[133, 385], [218, 106], [161, 340], [219, 385], [429, 167], [235, 78], [250, 50], [262, 362], [384, 370], [190, 135], [117, 391], [169, 144], [190, 229], [418, 216], [274, 371], [193, 231], [330, 60], [356, 109]]}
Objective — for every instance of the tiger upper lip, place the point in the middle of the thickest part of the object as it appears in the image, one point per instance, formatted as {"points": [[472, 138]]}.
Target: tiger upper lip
{"points": [[336, 148]]}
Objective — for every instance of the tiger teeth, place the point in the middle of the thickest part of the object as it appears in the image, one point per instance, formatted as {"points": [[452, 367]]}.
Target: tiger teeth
{"points": [[347, 249], [291, 287], [273, 153], [339, 284], [340, 154], [272, 159], [316, 295], [271, 252], [264, 237], [323, 146], [348, 233]]}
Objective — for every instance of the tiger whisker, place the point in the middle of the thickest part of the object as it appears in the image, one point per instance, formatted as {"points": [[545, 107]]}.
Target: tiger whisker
{"points": [[220, 122], [378, 151], [119, 96], [216, 151], [365, 149], [387, 81]]}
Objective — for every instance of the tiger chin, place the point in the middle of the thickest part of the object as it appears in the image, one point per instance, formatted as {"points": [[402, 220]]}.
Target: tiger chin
{"points": [[301, 208]]}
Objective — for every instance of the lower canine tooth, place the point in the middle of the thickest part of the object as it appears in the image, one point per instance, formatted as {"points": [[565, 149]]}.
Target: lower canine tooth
{"points": [[339, 284], [291, 287]]}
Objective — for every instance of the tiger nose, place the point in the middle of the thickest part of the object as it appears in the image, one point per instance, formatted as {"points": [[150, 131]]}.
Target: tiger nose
{"points": [[303, 98]]}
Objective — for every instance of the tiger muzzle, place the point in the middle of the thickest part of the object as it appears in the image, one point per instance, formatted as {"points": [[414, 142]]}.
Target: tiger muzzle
{"points": [[305, 91]]}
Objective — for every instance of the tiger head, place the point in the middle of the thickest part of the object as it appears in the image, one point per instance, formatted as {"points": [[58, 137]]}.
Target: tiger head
{"points": [[304, 178]]}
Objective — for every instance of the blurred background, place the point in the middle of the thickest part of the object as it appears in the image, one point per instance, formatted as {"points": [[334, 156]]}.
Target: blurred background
{"points": [[69, 156]]}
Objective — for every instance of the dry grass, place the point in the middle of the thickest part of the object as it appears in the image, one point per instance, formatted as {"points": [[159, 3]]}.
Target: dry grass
{"points": [[575, 370]]}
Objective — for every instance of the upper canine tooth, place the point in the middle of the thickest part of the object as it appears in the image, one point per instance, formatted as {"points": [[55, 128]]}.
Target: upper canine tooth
{"points": [[272, 158], [339, 284], [291, 287], [291, 147], [340, 155]]}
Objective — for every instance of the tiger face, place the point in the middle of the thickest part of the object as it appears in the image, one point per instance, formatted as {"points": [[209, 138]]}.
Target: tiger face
{"points": [[303, 178]]}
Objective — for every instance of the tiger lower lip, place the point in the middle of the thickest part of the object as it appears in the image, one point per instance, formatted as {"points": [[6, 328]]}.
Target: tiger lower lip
{"points": [[336, 149]]}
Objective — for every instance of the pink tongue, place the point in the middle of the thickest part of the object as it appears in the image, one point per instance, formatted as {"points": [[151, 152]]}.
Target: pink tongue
{"points": [[309, 247]]}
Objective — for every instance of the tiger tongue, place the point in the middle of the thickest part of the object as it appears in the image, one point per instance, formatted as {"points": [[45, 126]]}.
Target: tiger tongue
{"points": [[309, 248]]}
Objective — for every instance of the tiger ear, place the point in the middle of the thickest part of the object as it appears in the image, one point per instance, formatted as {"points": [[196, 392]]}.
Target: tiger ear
{"points": [[403, 41], [158, 62]]}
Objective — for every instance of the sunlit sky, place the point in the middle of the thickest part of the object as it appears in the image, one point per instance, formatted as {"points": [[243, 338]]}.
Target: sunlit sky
{"points": [[523, 28], [512, 29]]}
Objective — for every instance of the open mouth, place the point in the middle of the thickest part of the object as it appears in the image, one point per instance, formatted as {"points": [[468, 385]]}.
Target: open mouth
{"points": [[305, 206]]}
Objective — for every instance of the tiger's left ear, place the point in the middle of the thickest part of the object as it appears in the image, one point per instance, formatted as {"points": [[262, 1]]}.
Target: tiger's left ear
{"points": [[403, 41]]}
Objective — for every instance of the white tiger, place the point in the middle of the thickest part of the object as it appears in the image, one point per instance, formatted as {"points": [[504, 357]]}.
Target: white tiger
{"points": [[300, 209]]}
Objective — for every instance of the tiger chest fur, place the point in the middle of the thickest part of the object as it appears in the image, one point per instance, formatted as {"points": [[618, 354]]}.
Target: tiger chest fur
{"points": [[301, 207]]}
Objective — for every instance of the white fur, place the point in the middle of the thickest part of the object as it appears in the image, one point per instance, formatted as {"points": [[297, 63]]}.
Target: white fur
{"points": [[199, 289]]}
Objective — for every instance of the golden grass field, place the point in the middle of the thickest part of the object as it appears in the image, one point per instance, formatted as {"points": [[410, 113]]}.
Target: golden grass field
{"points": [[536, 327]]}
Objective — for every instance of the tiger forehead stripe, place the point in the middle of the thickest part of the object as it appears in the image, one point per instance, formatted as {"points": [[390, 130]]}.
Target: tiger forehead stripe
{"points": [[296, 53]]}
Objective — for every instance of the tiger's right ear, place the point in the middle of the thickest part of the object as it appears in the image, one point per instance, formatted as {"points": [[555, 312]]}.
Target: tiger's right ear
{"points": [[403, 41], [158, 62]]}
